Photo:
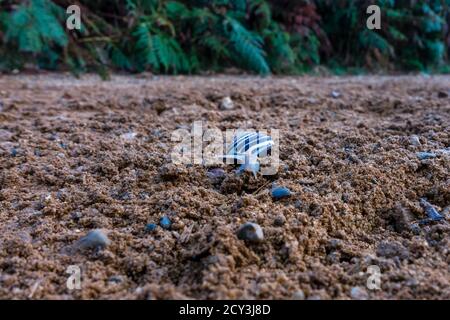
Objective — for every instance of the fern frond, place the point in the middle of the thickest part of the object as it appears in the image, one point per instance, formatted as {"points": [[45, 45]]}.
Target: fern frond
{"points": [[34, 25], [118, 57], [146, 55], [246, 45], [159, 51]]}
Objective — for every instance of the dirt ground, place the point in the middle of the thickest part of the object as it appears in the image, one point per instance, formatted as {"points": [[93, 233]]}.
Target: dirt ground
{"points": [[83, 154]]}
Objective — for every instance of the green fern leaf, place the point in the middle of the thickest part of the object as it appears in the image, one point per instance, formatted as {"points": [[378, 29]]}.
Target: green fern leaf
{"points": [[247, 46]]}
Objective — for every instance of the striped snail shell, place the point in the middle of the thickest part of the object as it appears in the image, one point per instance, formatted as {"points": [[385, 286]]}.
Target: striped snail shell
{"points": [[246, 147]]}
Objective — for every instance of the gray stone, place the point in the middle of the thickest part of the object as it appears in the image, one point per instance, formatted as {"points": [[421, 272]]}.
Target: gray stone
{"points": [[335, 94], [298, 295], [414, 140], [95, 239], [226, 104], [279, 220], [251, 232], [426, 155]]}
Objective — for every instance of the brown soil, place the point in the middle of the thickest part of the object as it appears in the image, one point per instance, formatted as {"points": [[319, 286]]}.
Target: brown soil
{"points": [[349, 157]]}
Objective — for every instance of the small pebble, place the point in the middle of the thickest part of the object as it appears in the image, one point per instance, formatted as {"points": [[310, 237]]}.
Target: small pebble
{"points": [[430, 210], [93, 240], [334, 244], [415, 228], [37, 152], [335, 94], [426, 155], [298, 295], [251, 232], [358, 293], [226, 104], [279, 220], [76, 215], [280, 192], [442, 94], [128, 136], [414, 140], [165, 223], [116, 279], [14, 152], [150, 227]]}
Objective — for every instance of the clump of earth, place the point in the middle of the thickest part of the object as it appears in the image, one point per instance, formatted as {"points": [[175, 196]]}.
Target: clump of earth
{"points": [[87, 180]]}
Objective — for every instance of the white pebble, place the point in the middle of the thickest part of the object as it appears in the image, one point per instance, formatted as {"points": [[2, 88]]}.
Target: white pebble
{"points": [[226, 104]]}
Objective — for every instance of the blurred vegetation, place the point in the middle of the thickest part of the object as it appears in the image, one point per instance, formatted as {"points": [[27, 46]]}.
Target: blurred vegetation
{"points": [[192, 36]]}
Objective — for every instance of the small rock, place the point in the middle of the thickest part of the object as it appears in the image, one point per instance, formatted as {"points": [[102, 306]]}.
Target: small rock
{"points": [[415, 228], [412, 282], [150, 227], [430, 210], [116, 279], [251, 232], [426, 155], [76, 215], [414, 140], [280, 192], [226, 104], [93, 240], [165, 223], [279, 220], [129, 136], [14, 152], [298, 295], [37, 152], [358, 293], [334, 244], [442, 94], [335, 94]]}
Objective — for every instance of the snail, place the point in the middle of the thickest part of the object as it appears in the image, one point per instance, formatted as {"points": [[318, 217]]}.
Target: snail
{"points": [[246, 148]]}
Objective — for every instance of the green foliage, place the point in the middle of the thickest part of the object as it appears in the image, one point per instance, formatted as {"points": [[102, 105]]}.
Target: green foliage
{"points": [[246, 46], [412, 34], [190, 36], [35, 25]]}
